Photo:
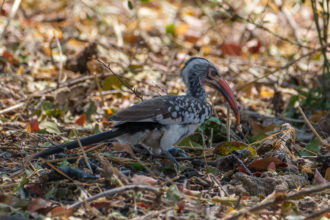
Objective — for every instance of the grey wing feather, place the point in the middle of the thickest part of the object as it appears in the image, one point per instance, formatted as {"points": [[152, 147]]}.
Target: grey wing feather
{"points": [[148, 110], [166, 110]]}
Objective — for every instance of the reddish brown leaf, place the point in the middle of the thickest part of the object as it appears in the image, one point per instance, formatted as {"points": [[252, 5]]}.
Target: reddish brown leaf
{"points": [[231, 49], [34, 124], [81, 120], [144, 205], [262, 164], [101, 204], [181, 205], [38, 204], [9, 56], [254, 46], [35, 189], [61, 212]]}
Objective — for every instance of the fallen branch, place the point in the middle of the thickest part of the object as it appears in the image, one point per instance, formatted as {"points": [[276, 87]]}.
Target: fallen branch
{"points": [[318, 213], [313, 129], [295, 195], [118, 190]]}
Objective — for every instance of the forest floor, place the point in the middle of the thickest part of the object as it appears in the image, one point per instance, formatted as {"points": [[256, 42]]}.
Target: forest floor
{"points": [[67, 66]]}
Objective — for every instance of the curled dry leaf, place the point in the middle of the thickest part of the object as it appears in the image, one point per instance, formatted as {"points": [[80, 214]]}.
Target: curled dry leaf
{"points": [[143, 180]]}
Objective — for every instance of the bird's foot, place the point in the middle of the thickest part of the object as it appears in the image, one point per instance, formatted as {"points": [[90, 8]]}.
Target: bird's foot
{"points": [[178, 152], [170, 156], [138, 148]]}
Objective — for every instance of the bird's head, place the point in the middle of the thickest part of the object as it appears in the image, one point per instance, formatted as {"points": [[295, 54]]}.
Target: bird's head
{"points": [[199, 71]]}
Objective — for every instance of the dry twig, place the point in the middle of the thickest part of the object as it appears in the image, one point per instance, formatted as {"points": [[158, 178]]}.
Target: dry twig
{"points": [[287, 65], [136, 93], [313, 129], [295, 195], [118, 190], [11, 15]]}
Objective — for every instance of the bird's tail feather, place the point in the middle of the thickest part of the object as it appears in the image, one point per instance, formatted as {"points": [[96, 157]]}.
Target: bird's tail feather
{"points": [[102, 136]]}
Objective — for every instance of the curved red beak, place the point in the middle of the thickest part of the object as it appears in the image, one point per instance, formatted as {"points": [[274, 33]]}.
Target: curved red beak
{"points": [[222, 86]]}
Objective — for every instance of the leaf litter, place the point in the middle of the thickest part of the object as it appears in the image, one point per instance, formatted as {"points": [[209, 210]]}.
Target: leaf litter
{"points": [[273, 166]]}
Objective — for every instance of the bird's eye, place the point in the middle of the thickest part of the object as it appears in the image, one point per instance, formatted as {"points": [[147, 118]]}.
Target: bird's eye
{"points": [[212, 73]]}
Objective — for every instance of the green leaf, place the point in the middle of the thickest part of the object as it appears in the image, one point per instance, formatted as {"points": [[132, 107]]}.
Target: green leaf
{"points": [[173, 194], [50, 127], [130, 5], [215, 171], [50, 110], [64, 163], [47, 105], [188, 142], [111, 82], [314, 146], [136, 165], [225, 148], [170, 29], [51, 193], [62, 193], [21, 184], [90, 111], [145, 1]]}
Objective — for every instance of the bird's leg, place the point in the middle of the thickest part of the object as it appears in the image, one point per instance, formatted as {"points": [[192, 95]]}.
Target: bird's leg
{"points": [[178, 152], [170, 156]]}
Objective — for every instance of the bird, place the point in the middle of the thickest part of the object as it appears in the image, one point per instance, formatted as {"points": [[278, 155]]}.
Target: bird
{"points": [[161, 122]]}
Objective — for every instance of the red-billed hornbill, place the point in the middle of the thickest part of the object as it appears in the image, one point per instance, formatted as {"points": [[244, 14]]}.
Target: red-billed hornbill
{"points": [[161, 122]]}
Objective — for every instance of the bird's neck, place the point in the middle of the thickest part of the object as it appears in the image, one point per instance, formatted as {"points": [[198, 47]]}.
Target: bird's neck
{"points": [[196, 90]]}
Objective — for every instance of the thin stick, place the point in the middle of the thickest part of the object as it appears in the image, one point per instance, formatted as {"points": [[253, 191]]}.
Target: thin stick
{"points": [[60, 75], [97, 81], [228, 123], [11, 15], [318, 213], [122, 81], [12, 108], [118, 190], [285, 66], [312, 128], [57, 170], [295, 195], [83, 151]]}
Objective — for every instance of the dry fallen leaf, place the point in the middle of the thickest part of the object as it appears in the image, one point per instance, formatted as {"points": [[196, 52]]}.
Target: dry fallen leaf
{"points": [[143, 180]]}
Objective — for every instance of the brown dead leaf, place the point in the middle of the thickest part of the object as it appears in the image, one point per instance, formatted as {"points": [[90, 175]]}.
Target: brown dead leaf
{"points": [[122, 147], [61, 212], [327, 174], [143, 180], [38, 204], [231, 49], [81, 120], [263, 164], [319, 178]]}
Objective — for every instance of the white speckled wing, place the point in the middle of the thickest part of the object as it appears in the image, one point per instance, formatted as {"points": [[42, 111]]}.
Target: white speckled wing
{"points": [[167, 110]]}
